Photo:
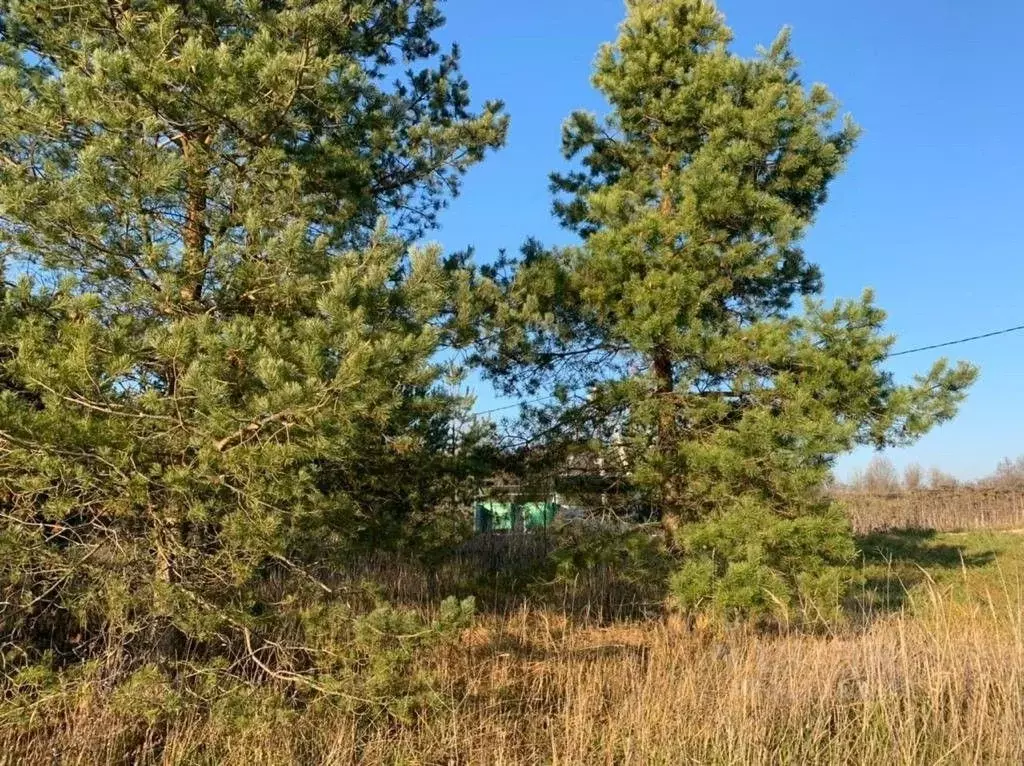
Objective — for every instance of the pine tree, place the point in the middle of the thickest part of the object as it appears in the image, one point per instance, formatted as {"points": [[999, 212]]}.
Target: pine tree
{"points": [[217, 362], [713, 396]]}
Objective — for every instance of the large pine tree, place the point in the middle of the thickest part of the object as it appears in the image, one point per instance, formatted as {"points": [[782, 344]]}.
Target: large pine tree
{"points": [[215, 361], [709, 393]]}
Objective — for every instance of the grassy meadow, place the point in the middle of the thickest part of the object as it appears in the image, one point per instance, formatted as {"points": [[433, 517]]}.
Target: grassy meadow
{"points": [[928, 667]]}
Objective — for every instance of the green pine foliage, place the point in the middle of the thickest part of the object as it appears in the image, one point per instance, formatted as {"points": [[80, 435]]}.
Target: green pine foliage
{"points": [[707, 389], [220, 367]]}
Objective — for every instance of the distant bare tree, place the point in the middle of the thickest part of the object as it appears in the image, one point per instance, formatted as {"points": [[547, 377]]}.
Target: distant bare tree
{"points": [[939, 479], [1009, 474], [879, 476], [913, 477]]}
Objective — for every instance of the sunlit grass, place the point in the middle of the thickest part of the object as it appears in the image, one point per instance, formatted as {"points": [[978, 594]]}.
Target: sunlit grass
{"points": [[935, 675]]}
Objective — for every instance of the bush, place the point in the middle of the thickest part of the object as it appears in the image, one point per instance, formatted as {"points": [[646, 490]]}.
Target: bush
{"points": [[374, 667], [751, 564]]}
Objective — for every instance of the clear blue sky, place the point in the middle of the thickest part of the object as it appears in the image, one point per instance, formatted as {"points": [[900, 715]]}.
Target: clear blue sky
{"points": [[927, 214]]}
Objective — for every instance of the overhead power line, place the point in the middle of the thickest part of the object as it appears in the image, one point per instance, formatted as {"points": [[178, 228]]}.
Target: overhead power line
{"points": [[1007, 331], [519, 404], [909, 351]]}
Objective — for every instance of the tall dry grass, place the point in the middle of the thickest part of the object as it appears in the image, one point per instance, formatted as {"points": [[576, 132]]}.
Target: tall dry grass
{"points": [[942, 685], [600, 676], [957, 509]]}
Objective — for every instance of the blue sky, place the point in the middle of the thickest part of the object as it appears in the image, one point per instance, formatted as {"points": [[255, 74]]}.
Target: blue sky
{"points": [[927, 213]]}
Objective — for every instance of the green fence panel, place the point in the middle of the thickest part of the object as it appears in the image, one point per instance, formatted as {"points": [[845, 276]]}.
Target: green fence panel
{"points": [[495, 517], [538, 515], [507, 517]]}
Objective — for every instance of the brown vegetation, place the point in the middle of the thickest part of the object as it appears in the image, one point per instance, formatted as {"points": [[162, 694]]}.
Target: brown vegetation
{"points": [[944, 510], [878, 498], [532, 686]]}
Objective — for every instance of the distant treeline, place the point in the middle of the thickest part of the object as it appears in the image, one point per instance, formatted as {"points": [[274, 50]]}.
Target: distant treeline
{"points": [[881, 476]]}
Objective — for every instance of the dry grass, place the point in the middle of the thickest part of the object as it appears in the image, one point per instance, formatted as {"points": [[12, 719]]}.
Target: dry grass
{"points": [[940, 679], [944, 510]]}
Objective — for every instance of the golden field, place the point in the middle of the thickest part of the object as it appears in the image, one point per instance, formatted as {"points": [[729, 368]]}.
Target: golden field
{"points": [[928, 668]]}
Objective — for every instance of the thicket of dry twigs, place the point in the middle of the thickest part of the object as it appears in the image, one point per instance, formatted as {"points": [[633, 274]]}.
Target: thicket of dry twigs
{"points": [[944, 510]]}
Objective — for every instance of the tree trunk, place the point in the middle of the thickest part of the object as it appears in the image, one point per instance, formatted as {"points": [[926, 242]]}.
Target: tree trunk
{"points": [[663, 373], [662, 363], [194, 261], [168, 641], [164, 545]]}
